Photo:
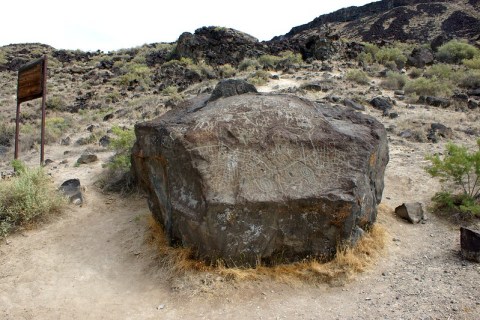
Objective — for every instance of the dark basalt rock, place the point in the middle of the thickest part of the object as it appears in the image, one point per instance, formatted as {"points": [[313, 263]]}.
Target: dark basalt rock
{"points": [[231, 87], [470, 244], [218, 46], [420, 57], [261, 176]]}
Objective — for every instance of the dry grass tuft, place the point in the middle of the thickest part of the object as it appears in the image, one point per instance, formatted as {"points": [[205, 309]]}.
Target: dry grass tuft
{"points": [[347, 263]]}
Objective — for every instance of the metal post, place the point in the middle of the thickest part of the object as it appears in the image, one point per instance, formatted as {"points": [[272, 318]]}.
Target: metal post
{"points": [[44, 95], [17, 129]]}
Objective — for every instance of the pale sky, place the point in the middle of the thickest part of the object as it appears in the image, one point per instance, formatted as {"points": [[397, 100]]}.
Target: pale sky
{"points": [[110, 25]]}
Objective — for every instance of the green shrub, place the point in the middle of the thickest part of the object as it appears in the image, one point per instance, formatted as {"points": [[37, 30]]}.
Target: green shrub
{"points": [[288, 58], [415, 72], [444, 72], [135, 73], [122, 144], [461, 168], [248, 64], [226, 71], [172, 93], [54, 128], [473, 63], [366, 57], [56, 103], [429, 87], [371, 49], [3, 59], [389, 55], [358, 76], [258, 78], [394, 81], [268, 62], [455, 51], [26, 198], [7, 132], [470, 79]]}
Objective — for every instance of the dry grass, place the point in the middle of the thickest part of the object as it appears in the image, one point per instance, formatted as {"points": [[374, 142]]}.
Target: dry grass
{"points": [[347, 263]]}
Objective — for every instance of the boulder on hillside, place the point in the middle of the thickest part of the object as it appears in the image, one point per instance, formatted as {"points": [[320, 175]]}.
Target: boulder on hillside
{"points": [[420, 57], [261, 177], [218, 46]]}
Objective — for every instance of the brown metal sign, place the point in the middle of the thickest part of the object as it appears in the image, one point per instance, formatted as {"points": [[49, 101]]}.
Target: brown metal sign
{"points": [[30, 81], [32, 84]]}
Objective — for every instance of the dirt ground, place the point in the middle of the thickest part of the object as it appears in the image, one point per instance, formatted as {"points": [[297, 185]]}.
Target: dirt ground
{"points": [[95, 261]]}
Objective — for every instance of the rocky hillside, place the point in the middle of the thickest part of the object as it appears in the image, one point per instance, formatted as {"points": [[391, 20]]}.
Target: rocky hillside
{"points": [[402, 20]]}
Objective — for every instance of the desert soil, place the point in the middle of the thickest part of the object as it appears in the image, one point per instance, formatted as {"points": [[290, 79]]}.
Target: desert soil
{"points": [[96, 261]]}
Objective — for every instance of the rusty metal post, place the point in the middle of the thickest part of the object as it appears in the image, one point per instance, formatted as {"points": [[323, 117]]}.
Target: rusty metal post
{"points": [[17, 130], [44, 96]]}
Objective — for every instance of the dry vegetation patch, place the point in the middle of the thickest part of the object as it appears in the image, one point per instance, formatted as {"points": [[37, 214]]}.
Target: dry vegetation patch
{"points": [[180, 265]]}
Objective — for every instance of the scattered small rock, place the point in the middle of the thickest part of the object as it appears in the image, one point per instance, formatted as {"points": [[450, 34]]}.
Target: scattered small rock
{"points": [[434, 101], [473, 104], [66, 141], [104, 141], [87, 158], [73, 190], [412, 212], [382, 103], [354, 105], [108, 117]]}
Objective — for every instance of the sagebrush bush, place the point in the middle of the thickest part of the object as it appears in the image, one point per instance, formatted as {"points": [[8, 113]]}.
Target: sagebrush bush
{"points": [[470, 79], [429, 87], [56, 103], [358, 76], [248, 64], [394, 81], [389, 55], [461, 168], [415, 72], [27, 197], [473, 63], [226, 71], [172, 93], [7, 132], [258, 78], [3, 59], [444, 72], [455, 51], [268, 61], [122, 144], [135, 74]]}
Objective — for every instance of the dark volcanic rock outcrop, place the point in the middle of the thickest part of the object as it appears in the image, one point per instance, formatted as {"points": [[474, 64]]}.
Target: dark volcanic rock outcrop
{"points": [[218, 46], [256, 176], [402, 20]]}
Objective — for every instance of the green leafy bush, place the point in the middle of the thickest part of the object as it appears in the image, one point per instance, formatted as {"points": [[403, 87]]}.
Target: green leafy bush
{"points": [[429, 87], [248, 64], [226, 71], [461, 168], [455, 51], [258, 78], [268, 62], [26, 198], [389, 55], [358, 76], [473, 63], [394, 81], [122, 144], [415, 72], [56, 103], [470, 79], [135, 73], [3, 59]]}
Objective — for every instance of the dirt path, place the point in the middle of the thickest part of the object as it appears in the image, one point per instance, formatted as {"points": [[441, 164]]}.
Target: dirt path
{"points": [[95, 262]]}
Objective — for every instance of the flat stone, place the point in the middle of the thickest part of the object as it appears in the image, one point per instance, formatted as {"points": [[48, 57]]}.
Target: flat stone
{"points": [[412, 212]]}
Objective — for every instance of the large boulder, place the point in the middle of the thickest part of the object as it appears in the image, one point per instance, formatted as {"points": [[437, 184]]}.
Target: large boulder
{"points": [[218, 46], [261, 177]]}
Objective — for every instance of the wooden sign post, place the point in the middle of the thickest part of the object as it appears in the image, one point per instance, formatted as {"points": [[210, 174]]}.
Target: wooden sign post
{"points": [[32, 84]]}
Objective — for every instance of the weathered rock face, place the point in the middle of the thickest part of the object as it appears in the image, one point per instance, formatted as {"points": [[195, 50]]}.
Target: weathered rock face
{"points": [[218, 46], [256, 176]]}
